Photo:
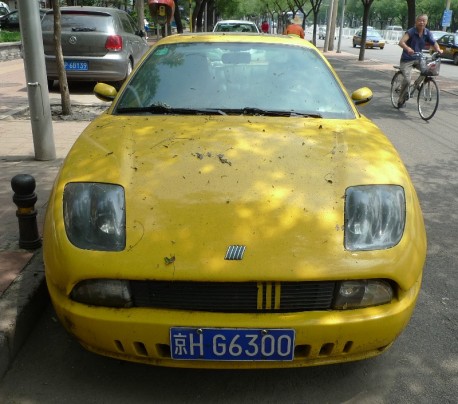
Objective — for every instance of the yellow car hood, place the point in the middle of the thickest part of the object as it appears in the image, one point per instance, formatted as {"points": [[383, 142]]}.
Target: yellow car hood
{"points": [[196, 185]]}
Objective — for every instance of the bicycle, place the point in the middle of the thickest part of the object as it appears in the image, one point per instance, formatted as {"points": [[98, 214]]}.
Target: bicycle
{"points": [[425, 84]]}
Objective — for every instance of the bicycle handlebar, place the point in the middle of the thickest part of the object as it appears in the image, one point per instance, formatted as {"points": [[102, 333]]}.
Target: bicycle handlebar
{"points": [[421, 55]]}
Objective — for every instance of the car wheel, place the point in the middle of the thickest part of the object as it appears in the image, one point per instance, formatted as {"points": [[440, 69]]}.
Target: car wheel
{"points": [[354, 45], [50, 85], [130, 67], [455, 59]]}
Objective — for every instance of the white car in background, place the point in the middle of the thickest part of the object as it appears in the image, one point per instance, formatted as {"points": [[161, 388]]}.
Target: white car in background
{"points": [[4, 9], [235, 26]]}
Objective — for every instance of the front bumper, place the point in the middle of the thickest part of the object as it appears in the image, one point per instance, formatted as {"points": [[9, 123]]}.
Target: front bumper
{"points": [[375, 45], [322, 337]]}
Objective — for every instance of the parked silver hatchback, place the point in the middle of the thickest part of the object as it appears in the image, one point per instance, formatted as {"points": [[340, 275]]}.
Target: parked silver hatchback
{"points": [[98, 44]]}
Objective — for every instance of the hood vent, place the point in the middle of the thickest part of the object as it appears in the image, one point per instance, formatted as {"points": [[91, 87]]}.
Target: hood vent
{"points": [[235, 252]]}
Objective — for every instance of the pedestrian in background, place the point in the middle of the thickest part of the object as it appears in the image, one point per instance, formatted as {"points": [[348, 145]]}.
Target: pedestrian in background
{"points": [[294, 29], [265, 27]]}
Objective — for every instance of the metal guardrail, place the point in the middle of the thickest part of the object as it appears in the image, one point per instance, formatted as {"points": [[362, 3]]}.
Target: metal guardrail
{"points": [[389, 35]]}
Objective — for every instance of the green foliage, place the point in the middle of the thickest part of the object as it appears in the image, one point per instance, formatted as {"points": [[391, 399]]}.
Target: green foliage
{"points": [[394, 12], [6, 36]]}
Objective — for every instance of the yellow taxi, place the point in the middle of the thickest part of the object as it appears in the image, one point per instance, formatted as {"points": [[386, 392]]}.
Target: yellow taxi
{"points": [[449, 45], [373, 39], [234, 209]]}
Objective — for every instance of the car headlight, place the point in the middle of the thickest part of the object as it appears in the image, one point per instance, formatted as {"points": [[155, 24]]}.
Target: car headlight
{"points": [[374, 217], [363, 293], [94, 216], [103, 292]]}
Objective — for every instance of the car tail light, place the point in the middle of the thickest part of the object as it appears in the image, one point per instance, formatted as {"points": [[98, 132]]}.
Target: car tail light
{"points": [[114, 43]]}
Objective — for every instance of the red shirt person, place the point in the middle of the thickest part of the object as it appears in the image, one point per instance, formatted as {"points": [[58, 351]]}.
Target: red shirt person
{"points": [[265, 27]]}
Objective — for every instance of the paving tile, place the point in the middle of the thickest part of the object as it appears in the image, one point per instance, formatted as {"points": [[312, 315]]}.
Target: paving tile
{"points": [[11, 264]]}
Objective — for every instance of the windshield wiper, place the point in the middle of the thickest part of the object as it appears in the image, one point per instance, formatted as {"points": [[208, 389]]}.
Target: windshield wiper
{"points": [[166, 109], [265, 112]]}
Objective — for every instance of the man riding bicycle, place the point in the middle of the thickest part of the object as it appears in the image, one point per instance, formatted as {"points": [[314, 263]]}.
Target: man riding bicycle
{"points": [[413, 41]]}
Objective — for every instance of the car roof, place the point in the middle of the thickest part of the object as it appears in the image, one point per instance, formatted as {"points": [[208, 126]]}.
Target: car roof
{"points": [[235, 22], [107, 10], [250, 37]]}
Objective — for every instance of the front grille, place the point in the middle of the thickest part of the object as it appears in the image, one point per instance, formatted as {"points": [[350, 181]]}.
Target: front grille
{"points": [[234, 297]]}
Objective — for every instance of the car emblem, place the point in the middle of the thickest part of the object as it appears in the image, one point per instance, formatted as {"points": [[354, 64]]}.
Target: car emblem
{"points": [[72, 40], [235, 252]]}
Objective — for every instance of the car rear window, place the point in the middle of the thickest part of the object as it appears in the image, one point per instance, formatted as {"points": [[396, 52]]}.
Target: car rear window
{"points": [[74, 21], [236, 27]]}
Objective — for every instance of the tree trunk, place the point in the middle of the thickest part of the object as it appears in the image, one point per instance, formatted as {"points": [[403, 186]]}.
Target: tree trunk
{"points": [[410, 13], [367, 5], [63, 84], [140, 9], [177, 17]]}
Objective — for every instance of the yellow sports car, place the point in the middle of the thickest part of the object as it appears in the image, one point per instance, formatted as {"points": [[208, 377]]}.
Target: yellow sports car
{"points": [[233, 209]]}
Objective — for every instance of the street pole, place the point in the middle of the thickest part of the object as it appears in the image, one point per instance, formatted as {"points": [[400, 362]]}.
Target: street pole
{"points": [[342, 16], [190, 16], [335, 8], [447, 7], [328, 26], [37, 83]]}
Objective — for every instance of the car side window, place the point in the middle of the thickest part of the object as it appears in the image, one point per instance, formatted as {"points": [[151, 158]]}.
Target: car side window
{"points": [[446, 39], [127, 26], [133, 24], [14, 17]]}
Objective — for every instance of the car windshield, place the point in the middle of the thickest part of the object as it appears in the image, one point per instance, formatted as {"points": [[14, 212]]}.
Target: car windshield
{"points": [[374, 34], [234, 78]]}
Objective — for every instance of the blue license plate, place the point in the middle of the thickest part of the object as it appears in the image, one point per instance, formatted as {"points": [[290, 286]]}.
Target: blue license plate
{"points": [[79, 65], [232, 344]]}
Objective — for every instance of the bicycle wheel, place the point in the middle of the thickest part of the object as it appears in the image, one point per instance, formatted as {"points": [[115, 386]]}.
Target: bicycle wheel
{"points": [[396, 82], [428, 98]]}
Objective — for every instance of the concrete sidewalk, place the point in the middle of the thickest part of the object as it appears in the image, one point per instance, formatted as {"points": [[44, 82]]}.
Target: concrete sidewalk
{"points": [[23, 292]]}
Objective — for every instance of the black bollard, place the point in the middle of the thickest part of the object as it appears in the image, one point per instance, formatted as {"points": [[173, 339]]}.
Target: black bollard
{"points": [[25, 197]]}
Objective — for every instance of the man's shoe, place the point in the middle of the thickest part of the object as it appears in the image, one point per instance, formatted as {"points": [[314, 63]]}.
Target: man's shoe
{"points": [[402, 104]]}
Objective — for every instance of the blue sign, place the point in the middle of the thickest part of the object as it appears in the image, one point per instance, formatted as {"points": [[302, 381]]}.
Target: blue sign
{"points": [[447, 18]]}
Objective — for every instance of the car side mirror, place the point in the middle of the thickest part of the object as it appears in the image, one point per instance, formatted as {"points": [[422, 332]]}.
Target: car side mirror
{"points": [[105, 92], [362, 96]]}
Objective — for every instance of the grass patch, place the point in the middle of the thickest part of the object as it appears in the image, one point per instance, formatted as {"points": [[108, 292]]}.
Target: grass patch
{"points": [[7, 36]]}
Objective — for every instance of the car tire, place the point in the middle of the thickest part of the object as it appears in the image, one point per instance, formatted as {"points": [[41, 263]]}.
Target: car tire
{"points": [[50, 84], [130, 67], [455, 59], [354, 45]]}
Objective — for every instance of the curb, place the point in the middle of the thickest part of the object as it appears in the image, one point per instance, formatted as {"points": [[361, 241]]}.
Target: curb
{"points": [[21, 306], [10, 50]]}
